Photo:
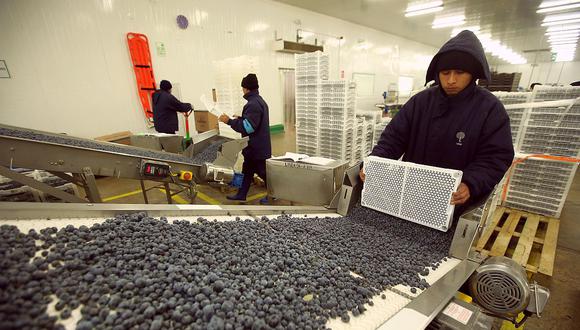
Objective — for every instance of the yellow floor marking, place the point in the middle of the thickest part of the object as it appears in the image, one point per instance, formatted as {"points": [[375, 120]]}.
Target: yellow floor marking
{"points": [[200, 195], [122, 195], [208, 199], [256, 196]]}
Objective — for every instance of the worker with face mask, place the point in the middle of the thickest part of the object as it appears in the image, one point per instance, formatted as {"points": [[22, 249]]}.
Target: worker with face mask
{"points": [[254, 123], [454, 124]]}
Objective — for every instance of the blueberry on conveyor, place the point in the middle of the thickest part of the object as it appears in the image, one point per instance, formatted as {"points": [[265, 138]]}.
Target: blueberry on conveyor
{"points": [[286, 272]]}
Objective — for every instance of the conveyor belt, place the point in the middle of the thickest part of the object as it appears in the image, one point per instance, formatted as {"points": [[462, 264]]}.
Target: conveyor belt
{"points": [[388, 253], [76, 142]]}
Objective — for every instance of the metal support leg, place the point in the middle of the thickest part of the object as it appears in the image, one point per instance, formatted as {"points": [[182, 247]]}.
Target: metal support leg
{"points": [[167, 192], [192, 192], [40, 186], [144, 191], [67, 177], [91, 186]]}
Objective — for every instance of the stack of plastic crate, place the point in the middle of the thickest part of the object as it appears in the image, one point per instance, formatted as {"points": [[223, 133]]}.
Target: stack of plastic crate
{"points": [[13, 191], [369, 137], [513, 97], [228, 75], [540, 186], [55, 182], [336, 120], [379, 128], [359, 139], [311, 70], [515, 104], [552, 128], [551, 93]]}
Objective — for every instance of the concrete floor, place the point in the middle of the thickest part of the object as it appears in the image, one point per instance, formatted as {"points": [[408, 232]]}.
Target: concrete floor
{"points": [[562, 311]]}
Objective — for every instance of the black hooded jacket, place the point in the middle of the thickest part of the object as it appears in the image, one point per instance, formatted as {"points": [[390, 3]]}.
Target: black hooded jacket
{"points": [[165, 108], [468, 132]]}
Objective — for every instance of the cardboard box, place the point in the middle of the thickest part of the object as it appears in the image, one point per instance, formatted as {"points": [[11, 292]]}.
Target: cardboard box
{"points": [[119, 137], [205, 121]]}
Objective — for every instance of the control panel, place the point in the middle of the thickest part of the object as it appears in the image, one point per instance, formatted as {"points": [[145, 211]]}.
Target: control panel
{"points": [[155, 169]]}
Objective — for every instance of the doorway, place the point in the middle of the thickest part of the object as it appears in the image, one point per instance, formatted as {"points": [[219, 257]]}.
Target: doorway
{"points": [[288, 96]]}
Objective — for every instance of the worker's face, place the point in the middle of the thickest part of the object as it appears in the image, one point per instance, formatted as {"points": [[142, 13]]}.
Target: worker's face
{"points": [[245, 90], [454, 81]]}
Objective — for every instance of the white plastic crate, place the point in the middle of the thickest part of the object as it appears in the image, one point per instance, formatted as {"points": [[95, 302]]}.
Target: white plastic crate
{"points": [[540, 185], [513, 97], [548, 93], [413, 192]]}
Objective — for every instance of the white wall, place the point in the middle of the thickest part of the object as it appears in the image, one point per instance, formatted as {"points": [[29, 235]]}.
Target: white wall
{"points": [[71, 69], [561, 73]]}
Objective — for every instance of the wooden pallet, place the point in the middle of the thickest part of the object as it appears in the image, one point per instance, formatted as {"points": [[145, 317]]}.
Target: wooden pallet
{"points": [[529, 239]]}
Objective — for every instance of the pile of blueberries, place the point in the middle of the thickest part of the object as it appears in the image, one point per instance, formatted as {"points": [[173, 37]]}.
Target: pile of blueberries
{"points": [[136, 272]]}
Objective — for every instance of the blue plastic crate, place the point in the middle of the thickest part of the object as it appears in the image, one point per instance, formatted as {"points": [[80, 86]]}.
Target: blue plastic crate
{"points": [[237, 180]]}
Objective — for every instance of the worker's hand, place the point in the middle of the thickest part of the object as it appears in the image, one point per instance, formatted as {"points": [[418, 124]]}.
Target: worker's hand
{"points": [[362, 175], [461, 195], [224, 118]]}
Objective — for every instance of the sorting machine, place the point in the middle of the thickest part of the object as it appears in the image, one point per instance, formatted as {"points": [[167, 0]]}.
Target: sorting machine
{"points": [[79, 160], [499, 287]]}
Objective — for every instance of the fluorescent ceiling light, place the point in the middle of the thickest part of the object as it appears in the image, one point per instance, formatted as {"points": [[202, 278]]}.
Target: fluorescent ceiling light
{"points": [[563, 33], [448, 21], [569, 21], [567, 47], [569, 40], [497, 49], [423, 11], [554, 3], [558, 8], [563, 36], [563, 28], [561, 17], [565, 58], [563, 46], [422, 5], [563, 39]]}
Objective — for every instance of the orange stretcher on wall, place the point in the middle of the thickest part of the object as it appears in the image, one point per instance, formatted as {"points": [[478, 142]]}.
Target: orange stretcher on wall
{"points": [[143, 67]]}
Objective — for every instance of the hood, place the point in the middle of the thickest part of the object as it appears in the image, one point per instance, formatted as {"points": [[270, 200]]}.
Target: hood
{"points": [[465, 41]]}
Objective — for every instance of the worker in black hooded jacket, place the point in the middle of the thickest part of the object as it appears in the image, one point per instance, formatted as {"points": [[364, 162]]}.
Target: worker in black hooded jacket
{"points": [[454, 124], [165, 108], [254, 123]]}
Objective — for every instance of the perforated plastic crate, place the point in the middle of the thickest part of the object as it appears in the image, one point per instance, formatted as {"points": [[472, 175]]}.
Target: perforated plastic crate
{"points": [[414, 192], [548, 93]]}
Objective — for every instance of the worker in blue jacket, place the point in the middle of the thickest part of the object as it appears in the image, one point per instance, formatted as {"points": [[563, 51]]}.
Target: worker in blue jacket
{"points": [[454, 124], [255, 124], [165, 109]]}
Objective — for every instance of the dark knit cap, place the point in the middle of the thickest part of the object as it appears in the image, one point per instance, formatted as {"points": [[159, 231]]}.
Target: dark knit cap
{"points": [[250, 82], [165, 85], [458, 60]]}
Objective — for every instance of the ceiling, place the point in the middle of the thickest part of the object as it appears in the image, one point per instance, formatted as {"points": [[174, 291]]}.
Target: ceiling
{"points": [[514, 23]]}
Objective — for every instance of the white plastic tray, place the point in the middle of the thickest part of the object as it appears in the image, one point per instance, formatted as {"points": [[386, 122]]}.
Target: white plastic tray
{"points": [[414, 192]]}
